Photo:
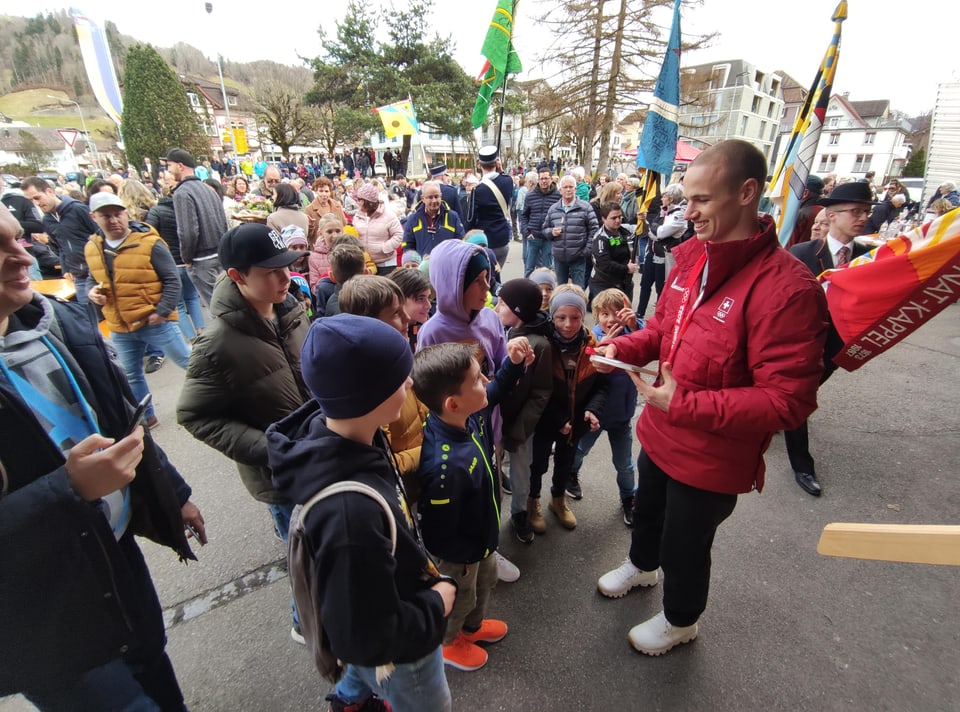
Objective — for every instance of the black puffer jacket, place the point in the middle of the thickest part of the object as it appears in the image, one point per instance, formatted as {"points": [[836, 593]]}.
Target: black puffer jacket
{"points": [[164, 221], [535, 207], [244, 374]]}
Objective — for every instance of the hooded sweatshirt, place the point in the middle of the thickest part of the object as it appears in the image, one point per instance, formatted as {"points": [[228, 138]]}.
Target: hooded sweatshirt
{"points": [[452, 322], [377, 608]]}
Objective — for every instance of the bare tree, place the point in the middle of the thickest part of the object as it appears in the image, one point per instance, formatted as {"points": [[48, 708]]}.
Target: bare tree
{"points": [[283, 117], [606, 54]]}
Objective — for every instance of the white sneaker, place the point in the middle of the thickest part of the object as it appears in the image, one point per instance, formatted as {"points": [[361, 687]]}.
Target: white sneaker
{"points": [[506, 571], [657, 635], [618, 582], [297, 635]]}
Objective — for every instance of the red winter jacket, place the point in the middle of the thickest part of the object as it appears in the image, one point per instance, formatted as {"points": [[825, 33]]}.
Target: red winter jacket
{"points": [[747, 366]]}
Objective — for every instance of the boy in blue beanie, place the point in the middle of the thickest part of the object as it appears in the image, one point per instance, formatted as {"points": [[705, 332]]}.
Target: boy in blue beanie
{"points": [[459, 504], [383, 613]]}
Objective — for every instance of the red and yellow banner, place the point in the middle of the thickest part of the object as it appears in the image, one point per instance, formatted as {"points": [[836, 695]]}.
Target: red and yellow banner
{"points": [[884, 296]]}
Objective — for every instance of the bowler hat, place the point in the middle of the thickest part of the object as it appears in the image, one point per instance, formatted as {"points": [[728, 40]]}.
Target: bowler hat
{"points": [[856, 192]]}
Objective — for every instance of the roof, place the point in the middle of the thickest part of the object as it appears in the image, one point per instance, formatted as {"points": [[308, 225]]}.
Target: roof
{"points": [[793, 91], [875, 108], [49, 139]]}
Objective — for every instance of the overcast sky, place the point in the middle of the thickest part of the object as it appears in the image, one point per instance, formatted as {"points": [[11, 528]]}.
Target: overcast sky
{"points": [[881, 56]]}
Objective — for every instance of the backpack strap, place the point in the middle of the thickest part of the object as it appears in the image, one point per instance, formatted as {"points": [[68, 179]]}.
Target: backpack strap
{"points": [[352, 486]]}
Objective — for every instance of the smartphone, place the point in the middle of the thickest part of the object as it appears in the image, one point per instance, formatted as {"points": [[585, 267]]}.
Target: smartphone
{"points": [[597, 358], [194, 533], [138, 414]]}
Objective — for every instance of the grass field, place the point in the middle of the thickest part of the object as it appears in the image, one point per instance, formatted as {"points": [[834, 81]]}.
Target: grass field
{"points": [[23, 105]]}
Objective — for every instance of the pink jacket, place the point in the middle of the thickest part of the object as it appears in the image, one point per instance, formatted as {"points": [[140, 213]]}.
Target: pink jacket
{"points": [[748, 364], [319, 261], [380, 234]]}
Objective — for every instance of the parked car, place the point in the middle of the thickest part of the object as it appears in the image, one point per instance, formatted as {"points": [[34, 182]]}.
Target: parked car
{"points": [[10, 180]]}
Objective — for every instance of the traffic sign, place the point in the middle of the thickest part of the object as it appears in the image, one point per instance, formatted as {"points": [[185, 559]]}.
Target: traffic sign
{"points": [[69, 136]]}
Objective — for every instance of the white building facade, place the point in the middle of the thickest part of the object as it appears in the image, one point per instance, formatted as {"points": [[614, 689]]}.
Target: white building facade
{"points": [[734, 99]]}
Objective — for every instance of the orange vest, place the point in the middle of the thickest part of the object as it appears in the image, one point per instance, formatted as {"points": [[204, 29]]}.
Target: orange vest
{"points": [[133, 289]]}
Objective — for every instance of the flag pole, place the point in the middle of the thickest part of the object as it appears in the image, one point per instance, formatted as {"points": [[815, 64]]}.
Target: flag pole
{"points": [[423, 149], [506, 76]]}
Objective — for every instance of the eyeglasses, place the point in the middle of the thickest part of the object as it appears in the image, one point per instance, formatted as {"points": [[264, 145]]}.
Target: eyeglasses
{"points": [[856, 212]]}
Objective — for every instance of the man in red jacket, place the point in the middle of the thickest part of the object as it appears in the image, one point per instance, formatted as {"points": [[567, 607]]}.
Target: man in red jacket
{"points": [[739, 334]]}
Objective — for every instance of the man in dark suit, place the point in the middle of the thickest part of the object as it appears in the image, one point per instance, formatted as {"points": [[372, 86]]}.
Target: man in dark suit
{"points": [[489, 206], [848, 209]]}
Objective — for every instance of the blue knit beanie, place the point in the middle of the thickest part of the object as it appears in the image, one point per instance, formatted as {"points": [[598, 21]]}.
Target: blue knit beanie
{"points": [[352, 364]]}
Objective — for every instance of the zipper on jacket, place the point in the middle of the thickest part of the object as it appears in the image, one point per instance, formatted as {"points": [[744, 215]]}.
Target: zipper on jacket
{"points": [[493, 489]]}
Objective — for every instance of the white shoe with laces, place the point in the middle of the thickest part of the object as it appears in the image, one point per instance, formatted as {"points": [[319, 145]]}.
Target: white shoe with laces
{"points": [[658, 635], [506, 571], [618, 582]]}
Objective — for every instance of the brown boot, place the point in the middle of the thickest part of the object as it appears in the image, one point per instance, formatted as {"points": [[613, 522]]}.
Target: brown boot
{"points": [[535, 516], [558, 505]]}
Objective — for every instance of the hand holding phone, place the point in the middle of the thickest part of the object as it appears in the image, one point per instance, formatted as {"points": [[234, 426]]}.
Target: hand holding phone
{"points": [[138, 414]]}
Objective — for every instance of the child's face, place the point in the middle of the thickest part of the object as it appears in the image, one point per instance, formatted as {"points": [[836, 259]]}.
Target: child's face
{"points": [[506, 316], [607, 320], [547, 291], [329, 233], [395, 315], [473, 391], [475, 296], [418, 307], [568, 320]]}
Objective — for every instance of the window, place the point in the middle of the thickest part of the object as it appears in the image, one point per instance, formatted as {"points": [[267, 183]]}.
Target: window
{"points": [[743, 125], [869, 138], [756, 105], [834, 139], [862, 164], [823, 164], [827, 163], [773, 132], [832, 162], [833, 122], [194, 100], [231, 100], [770, 110]]}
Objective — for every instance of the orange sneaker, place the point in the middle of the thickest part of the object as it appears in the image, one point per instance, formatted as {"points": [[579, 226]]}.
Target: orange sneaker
{"points": [[490, 631], [464, 655]]}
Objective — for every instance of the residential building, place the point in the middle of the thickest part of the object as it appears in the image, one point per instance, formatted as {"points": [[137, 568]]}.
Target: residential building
{"points": [[943, 159], [731, 99], [206, 98], [21, 144], [857, 136]]}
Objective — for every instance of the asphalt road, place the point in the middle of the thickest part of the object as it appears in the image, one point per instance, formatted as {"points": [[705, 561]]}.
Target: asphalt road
{"points": [[785, 628]]}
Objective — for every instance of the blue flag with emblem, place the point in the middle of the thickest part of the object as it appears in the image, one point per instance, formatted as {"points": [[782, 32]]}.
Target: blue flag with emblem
{"points": [[658, 142]]}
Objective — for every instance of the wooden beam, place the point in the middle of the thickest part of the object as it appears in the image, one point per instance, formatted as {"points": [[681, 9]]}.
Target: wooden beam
{"points": [[908, 543]]}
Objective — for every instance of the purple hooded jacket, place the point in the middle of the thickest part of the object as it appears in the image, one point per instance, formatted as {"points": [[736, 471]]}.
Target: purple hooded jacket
{"points": [[452, 323]]}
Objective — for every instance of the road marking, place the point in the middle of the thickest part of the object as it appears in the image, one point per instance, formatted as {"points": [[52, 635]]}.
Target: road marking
{"points": [[221, 596]]}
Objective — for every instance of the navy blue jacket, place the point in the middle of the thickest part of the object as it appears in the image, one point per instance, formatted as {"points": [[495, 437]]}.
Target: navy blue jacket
{"points": [[535, 207], [622, 394], [459, 505], [417, 237], [66, 588], [485, 213], [70, 226]]}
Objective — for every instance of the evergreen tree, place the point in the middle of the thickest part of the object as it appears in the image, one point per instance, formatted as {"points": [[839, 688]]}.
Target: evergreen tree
{"points": [[410, 63], [917, 164], [156, 112]]}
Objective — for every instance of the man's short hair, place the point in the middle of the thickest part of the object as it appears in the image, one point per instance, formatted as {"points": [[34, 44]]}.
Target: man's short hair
{"points": [[346, 261], [37, 183], [740, 161], [609, 300], [439, 371], [567, 178], [368, 295], [608, 207]]}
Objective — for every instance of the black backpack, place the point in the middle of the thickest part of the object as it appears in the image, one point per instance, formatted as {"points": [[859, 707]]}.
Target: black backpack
{"points": [[303, 577]]}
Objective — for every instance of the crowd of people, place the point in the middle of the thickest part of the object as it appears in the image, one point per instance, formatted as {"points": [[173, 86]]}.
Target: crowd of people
{"points": [[359, 351]]}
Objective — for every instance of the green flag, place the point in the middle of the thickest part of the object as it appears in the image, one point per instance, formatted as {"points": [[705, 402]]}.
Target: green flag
{"points": [[501, 57]]}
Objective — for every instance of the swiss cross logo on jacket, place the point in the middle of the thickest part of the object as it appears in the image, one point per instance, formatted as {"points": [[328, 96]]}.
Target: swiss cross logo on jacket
{"points": [[725, 306]]}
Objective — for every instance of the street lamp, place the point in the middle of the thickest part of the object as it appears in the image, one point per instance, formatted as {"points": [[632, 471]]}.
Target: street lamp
{"points": [[223, 90], [83, 124]]}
